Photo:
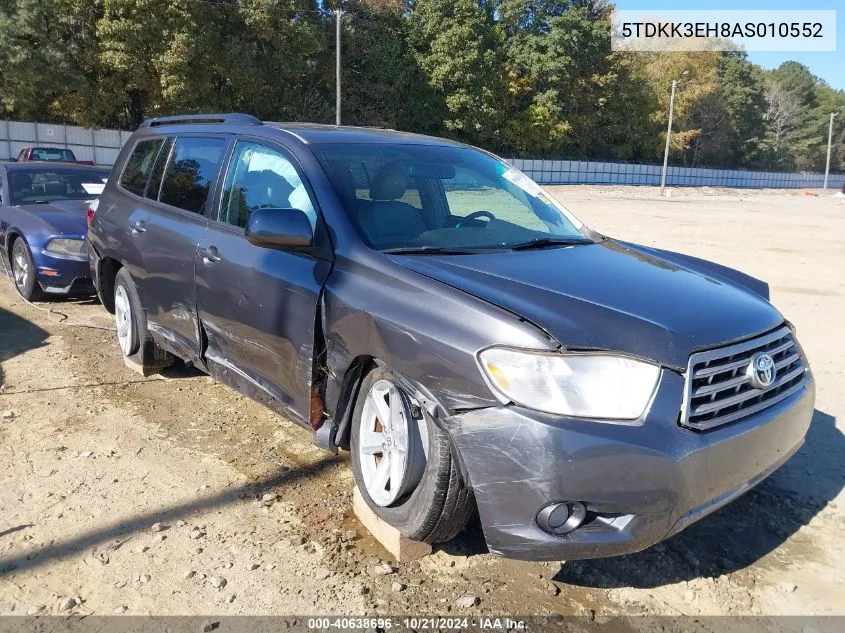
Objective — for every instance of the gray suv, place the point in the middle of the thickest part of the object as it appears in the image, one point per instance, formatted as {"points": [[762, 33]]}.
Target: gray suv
{"points": [[434, 311]]}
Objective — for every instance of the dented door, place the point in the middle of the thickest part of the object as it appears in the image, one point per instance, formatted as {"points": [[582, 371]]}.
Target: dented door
{"points": [[257, 305]]}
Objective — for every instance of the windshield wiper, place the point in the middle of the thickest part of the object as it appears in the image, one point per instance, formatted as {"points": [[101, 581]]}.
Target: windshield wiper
{"points": [[543, 242], [426, 250]]}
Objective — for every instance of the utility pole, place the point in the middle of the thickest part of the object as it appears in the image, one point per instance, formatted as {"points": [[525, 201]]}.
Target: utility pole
{"points": [[829, 144], [338, 14], [668, 135], [675, 83]]}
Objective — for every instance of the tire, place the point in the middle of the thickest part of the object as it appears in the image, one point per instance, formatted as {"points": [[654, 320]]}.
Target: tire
{"points": [[439, 504], [139, 347], [23, 271]]}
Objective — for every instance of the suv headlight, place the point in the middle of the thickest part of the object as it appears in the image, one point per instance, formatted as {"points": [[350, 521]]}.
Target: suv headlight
{"points": [[66, 247], [584, 385]]}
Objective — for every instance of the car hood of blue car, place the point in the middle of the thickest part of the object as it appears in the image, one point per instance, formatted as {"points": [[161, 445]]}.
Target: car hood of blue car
{"points": [[63, 217], [612, 296]]}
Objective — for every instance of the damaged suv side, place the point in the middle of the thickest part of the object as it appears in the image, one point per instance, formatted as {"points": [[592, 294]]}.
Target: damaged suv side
{"points": [[434, 311]]}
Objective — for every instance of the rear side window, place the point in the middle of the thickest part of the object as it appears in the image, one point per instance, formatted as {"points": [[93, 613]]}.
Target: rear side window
{"points": [[194, 163], [154, 186], [139, 165]]}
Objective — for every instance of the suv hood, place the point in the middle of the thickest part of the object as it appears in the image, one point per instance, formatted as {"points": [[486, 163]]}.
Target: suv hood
{"points": [[610, 296]]}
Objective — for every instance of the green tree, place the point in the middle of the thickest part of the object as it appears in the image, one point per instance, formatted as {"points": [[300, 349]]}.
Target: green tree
{"points": [[383, 84], [743, 98], [530, 77], [49, 60], [459, 48], [810, 102], [133, 35], [698, 113]]}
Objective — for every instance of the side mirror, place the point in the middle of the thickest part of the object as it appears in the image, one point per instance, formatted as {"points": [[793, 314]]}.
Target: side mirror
{"points": [[279, 228]]}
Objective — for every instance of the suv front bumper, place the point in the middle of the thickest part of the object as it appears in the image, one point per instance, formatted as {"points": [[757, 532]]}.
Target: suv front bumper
{"points": [[641, 482]]}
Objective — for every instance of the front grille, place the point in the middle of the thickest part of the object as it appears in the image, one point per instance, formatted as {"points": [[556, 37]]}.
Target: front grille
{"points": [[718, 389]]}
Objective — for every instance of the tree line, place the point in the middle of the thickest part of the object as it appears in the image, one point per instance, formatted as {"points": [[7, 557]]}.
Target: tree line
{"points": [[531, 78]]}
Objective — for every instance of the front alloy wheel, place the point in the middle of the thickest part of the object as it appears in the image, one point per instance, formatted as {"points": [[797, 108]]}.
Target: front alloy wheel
{"points": [[23, 271], [20, 268], [403, 463], [390, 452]]}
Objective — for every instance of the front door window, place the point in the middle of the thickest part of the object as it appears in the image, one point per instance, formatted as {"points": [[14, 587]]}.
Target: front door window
{"points": [[262, 178]]}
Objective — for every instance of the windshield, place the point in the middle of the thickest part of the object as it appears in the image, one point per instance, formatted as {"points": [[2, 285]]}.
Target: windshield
{"points": [[32, 186], [51, 153], [429, 198]]}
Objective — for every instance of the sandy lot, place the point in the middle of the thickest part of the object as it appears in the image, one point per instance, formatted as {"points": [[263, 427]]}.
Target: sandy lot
{"points": [[175, 495]]}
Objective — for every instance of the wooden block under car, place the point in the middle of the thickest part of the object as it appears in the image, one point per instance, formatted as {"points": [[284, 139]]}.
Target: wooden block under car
{"points": [[144, 370], [402, 548]]}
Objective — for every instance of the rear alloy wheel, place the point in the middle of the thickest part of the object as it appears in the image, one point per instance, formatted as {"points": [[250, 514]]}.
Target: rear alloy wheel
{"points": [[134, 337], [23, 271], [126, 327], [403, 463]]}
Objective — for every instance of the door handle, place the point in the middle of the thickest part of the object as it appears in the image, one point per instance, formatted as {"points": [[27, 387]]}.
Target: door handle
{"points": [[209, 255], [137, 227]]}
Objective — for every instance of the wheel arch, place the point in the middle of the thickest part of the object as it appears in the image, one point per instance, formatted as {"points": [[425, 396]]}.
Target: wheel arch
{"points": [[350, 391], [9, 239], [347, 397], [12, 234], [107, 269]]}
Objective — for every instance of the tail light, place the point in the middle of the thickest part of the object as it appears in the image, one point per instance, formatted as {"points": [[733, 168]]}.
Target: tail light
{"points": [[92, 209]]}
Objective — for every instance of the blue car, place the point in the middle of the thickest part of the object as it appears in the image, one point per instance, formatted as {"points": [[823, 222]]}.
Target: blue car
{"points": [[43, 222]]}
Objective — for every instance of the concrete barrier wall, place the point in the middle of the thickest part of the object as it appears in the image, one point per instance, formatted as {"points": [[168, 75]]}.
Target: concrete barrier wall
{"points": [[101, 146], [571, 172]]}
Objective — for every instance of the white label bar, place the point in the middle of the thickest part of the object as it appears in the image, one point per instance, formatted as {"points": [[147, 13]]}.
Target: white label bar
{"points": [[725, 30]]}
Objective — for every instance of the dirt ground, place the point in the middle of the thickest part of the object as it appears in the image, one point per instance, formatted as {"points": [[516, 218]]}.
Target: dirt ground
{"points": [[175, 495]]}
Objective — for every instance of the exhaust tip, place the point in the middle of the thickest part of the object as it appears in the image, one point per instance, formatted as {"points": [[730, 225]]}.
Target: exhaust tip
{"points": [[562, 517]]}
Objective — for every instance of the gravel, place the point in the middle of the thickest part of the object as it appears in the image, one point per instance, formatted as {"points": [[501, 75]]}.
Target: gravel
{"points": [[218, 582], [382, 569], [65, 604], [467, 600]]}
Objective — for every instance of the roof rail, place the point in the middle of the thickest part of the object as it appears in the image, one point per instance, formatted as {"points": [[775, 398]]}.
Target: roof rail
{"points": [[232, 117]]}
